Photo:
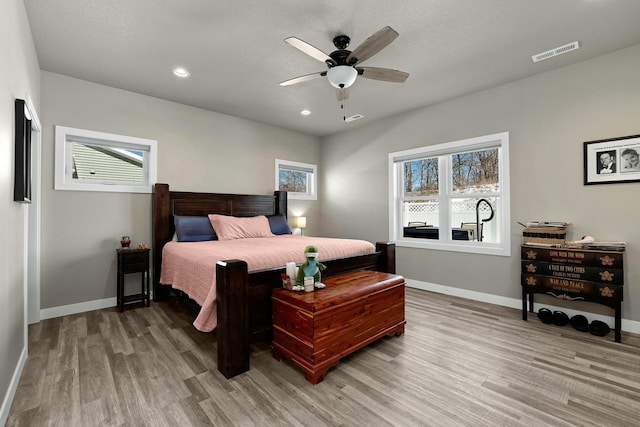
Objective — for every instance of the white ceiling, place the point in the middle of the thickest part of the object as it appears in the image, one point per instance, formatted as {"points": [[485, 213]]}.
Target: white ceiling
{"points": [[236, 54]]}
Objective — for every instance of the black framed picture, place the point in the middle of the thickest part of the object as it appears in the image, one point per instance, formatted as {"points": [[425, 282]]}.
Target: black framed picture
{"points": [[612, 161], [22, 180]]}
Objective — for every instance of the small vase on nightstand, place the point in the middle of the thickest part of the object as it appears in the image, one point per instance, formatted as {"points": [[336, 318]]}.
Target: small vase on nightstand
{"points": [[125, 242]]}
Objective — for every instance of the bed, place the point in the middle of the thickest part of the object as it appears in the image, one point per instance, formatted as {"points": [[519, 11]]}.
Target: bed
{"points": [[243, 298]]}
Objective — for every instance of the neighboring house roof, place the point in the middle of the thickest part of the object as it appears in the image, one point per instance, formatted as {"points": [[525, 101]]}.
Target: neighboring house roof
{"points": [[104, 164]]}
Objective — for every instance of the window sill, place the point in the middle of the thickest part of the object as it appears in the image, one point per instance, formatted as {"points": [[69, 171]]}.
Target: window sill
{"points": [[468, 247], [299, 196], [115, 188]]}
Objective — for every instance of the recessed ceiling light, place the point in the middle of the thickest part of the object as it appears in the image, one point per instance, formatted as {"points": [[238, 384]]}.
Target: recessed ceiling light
{"points": [[305, 112], [181, 72]]}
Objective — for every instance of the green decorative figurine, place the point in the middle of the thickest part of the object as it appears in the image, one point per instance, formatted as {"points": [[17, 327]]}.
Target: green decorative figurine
{"points": [[311, 267]]}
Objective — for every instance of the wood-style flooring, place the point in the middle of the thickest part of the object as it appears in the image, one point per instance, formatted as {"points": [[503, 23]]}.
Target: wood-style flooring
{"points": [[460, 362]]}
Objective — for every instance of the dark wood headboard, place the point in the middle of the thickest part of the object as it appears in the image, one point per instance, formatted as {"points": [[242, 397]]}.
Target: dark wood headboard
{"points": [[167, 203]]}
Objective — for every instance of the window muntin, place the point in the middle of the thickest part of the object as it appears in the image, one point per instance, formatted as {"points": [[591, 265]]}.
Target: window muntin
{"points": [[298, 179], [96, 161], [439, 187]]}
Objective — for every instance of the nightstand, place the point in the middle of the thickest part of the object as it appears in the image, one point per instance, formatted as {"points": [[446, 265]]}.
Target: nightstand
{"points": [[133, 261]]}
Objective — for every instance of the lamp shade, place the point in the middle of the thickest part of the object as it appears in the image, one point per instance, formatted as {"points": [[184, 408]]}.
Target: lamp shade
{"points": [[300, 222], [342, 76]]}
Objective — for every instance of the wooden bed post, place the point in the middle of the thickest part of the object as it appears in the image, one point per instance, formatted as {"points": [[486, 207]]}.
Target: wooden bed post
{"points": [[232, 293], [281, 202], [161, 235], [388, 259]]}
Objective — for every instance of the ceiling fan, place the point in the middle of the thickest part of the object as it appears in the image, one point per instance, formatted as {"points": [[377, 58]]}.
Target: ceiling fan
{"points": [[344, 64]]}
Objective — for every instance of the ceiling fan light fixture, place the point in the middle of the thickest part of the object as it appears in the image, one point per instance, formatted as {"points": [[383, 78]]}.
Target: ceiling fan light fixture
{"points": [[342, 76]]}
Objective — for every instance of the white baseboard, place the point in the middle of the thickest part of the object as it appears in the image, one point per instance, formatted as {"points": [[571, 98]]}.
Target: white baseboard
{"points": [[13, 387], [64, 310], [627, 325]]}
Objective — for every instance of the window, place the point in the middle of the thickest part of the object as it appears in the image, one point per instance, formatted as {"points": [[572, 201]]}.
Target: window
{"points": [[461, 187], [97, 161], [298, 179]]}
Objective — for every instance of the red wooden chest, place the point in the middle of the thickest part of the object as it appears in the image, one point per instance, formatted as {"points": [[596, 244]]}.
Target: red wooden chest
{"points": [[316, 329]]}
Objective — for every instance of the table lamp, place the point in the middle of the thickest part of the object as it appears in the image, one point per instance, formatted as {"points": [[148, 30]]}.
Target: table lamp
{"points": [[300, 222]]}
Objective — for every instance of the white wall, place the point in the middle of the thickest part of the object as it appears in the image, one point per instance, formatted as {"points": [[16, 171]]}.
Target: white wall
{"points": [[198, 150], [548, 116], [19, 76]]}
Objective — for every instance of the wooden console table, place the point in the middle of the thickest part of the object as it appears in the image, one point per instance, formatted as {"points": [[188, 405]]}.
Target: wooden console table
{"points": [[316, 329], [573, 275]]}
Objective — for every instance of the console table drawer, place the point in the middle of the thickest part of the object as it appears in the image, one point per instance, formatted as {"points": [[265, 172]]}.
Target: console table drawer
{"points": [[574, 290], [598, 274], [573, 256]]}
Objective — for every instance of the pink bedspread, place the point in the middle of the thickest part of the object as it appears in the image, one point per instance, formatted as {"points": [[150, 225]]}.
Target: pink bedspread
{"points": [[191, 266]]}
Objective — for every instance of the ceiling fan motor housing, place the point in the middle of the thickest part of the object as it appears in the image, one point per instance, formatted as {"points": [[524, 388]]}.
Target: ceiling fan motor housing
{"points": [[340, 56]]}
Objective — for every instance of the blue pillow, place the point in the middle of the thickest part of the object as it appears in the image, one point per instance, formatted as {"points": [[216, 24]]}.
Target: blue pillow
{"points": [[278, 224], [194, 228]]}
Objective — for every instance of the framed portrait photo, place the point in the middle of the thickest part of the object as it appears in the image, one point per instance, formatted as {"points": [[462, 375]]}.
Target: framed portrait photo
{"points": [[612, 161]]}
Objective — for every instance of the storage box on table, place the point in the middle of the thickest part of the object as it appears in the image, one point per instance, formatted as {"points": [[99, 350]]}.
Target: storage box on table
{"points": [[546, 235]]}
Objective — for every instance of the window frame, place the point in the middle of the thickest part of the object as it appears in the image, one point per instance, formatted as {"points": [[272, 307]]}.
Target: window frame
{"points": [[66, 136], [443, 153], [312, 178]]}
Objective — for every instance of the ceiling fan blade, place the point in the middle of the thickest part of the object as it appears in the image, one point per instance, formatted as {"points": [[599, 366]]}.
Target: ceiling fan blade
{"points": [[384, 74], [305, 78], [305, 47], [372, 45], [342, 93]]}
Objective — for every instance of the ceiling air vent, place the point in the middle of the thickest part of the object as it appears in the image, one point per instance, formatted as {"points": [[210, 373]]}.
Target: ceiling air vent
{"points": [[555, 52], [353, 118]]}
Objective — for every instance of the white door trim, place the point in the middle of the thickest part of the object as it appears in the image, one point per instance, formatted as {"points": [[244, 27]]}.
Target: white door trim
{"points": [[32, 222]]}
